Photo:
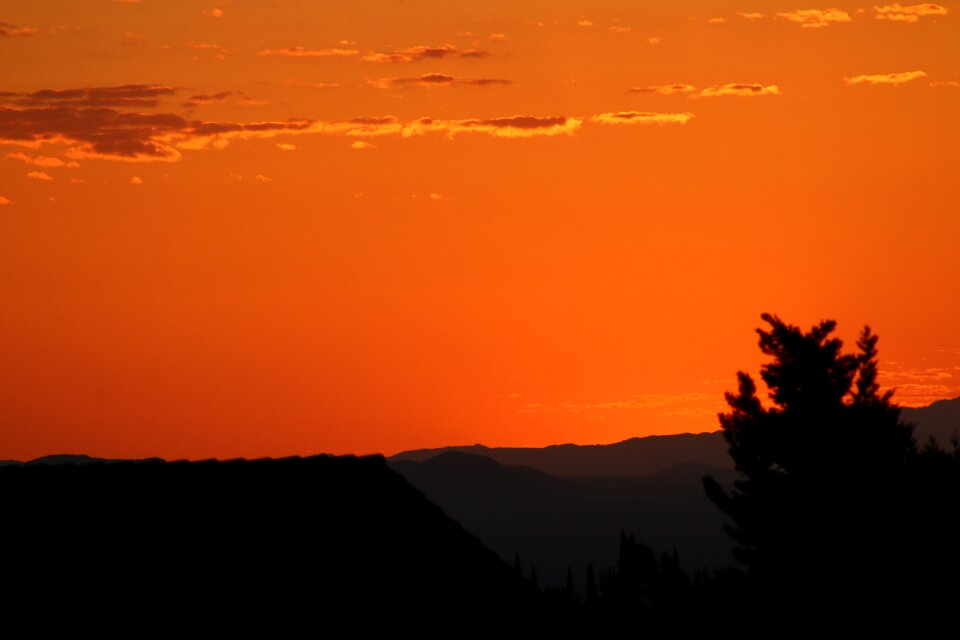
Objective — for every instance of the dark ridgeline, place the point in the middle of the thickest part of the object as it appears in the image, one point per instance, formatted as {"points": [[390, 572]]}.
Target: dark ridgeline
{"points": [[634, 457], [263, 548]]}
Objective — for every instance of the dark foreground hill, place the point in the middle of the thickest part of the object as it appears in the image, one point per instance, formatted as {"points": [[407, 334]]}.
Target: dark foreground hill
{"points": [[556, 523], [266, 548], [633, 457]]}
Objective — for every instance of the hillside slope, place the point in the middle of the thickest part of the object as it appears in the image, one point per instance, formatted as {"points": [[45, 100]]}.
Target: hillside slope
{"points": [[264, 548], [556, 523]]}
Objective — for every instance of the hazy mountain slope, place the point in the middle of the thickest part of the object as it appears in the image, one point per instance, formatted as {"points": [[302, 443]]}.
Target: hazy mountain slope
{"points": [[940, 419], [559, 522]]}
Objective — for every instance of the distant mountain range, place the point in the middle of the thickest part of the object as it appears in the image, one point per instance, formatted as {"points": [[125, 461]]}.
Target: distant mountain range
{"points": [[633, 457], [71, 458], [653, 454], [564, 505]]}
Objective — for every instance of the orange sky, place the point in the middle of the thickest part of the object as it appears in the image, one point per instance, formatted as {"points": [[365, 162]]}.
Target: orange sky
{"points": [[269, 227]]}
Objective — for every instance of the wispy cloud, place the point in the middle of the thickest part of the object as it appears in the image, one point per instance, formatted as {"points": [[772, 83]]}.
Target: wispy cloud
{"points": [[910, 14], [4, 201], [508, 127], [303, 52], [665, 90], [740, 90], [815, 18], [919, 386], [434, 80], [421, 52], [202, 99], [64, 119], [363, 127], [218, 135], [93, 132], [134, 40], [98, 122], [484, 82], [237, 97], [8, 30], [807, 18], [128, 95], [886, 78], [110, 134], [668, 404], [40, 175], [40, 161], [313, 85], [642, 117]]}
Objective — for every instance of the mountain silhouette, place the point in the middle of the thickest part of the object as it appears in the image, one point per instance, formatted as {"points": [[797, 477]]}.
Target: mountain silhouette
{"points": [[940, 420], [560, 523], [263, 548], [633, 457], [73, 458], [558, 506], [645, 456]]}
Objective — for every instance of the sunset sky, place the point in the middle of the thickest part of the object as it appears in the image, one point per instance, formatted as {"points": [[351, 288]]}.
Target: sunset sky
{"points": [[272, 227]]}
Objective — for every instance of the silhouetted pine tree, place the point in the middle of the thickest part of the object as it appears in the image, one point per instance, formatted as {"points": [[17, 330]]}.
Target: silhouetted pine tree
{"points": [[822, 471]]}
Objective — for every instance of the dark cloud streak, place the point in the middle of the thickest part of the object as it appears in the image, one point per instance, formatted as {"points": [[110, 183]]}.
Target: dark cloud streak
{"points": [[420, 52], [129, 95]]}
